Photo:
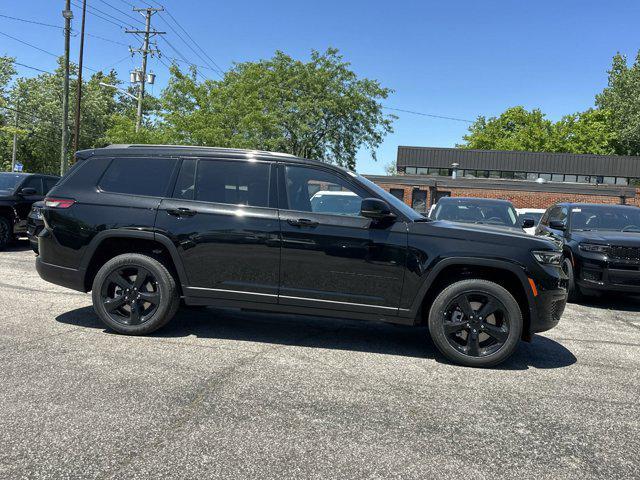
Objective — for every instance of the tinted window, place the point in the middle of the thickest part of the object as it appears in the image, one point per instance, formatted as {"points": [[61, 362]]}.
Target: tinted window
{"points": [[186, 182], [318, 191], [49, 183], [235, 183], [138, 176], [35, 183], [9, 181]]}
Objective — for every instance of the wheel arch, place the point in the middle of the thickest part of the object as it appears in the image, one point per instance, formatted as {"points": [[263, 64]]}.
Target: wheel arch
{"points": [[508, 275], [110, 243]]}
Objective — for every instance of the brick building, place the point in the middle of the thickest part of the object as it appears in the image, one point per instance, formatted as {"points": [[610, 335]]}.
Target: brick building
{"points": [[527, 179]]}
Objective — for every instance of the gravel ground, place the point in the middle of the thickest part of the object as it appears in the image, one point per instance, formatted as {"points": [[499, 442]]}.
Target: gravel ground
{"points": [[228, 394]]}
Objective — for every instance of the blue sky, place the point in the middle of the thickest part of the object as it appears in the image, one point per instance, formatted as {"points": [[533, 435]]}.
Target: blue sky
{"points": [[453, 58]]}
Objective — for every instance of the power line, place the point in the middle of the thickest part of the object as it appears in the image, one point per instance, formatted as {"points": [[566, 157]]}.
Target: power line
{"points": [[34, 68], [119, 25], [429, 115], [106, 39], [34, 22], [122, 12], [29, 44]]}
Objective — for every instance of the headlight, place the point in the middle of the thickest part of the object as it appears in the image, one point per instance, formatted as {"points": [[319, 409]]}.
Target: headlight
{"points": [[594, 247], [547, 257]]}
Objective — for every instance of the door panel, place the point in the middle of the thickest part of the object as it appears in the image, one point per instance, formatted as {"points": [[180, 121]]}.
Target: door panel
{"points": [[340, 261], [228, 250]]}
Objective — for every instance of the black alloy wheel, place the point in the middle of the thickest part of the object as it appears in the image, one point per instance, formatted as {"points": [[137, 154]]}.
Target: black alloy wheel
{"points": [[130, 295], [476, 324], [135, 294]]}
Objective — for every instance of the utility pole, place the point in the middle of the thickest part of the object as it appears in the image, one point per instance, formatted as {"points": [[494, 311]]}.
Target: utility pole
{"points": [[76, 137], [15, 143], [145, 50], [68, 15]]}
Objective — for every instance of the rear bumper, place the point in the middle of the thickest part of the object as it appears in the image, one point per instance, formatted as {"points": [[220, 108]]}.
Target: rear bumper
{"points": [[549, 306], [63, 276]]}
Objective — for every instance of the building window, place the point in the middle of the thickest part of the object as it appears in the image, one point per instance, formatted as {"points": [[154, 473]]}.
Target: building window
{"points": [[483, 173], [470, 173], [571, 178], [622, 181], [494, 174], [423, 171], [398, 193], [609, 180], [444, 172], [546, 176], [419, 200], [508, 175], [583, 178], [410, 170], [557, 177], [532, 176], [519, 175]]}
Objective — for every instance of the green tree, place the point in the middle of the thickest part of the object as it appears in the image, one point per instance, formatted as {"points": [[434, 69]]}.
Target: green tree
{"points": [[39, 100], [622, 98], [584, 132], [317, 109], [515, 129], [7, 129]]}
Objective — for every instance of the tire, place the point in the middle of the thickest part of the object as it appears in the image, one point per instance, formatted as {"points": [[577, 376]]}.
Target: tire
{"points": [[135, 294], [452, 327], [6, 233], [575, 294]]}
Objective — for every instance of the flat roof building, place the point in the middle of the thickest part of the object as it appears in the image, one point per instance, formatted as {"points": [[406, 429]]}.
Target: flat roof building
{"points": [[554, 167]]}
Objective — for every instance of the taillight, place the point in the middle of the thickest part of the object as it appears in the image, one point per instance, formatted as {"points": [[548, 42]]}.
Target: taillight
{"points": [[58, 202]]}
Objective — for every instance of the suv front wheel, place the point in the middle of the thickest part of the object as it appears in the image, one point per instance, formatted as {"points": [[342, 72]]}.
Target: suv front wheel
{"points": [[135, 294], [476, 323]]}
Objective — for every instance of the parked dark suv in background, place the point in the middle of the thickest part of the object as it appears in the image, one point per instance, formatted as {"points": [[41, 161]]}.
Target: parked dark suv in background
{"points": [[601, 245], [146, 226], [18, 191]]}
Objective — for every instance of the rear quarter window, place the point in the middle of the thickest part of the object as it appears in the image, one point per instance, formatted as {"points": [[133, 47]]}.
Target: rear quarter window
{"points": [[138, 176]]}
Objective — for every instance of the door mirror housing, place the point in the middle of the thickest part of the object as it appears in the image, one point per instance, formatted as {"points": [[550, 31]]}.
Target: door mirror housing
{"points": [[376, 209], [28, 191], [557, 225], [528, 223]]}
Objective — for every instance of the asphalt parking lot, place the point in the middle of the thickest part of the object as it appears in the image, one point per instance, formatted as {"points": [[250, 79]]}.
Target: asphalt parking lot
{"points": [[227, 394]]}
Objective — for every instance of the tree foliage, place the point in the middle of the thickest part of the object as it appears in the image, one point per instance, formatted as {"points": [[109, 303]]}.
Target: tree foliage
{"points": [[317, 109], [622, 98]]}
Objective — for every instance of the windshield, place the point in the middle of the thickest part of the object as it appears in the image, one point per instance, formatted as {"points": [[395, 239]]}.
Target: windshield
{"points": [[475, 212], [605, 217], [9, 181], [405, 209]]}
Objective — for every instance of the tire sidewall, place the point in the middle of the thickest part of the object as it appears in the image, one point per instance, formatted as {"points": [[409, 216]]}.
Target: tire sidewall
{"points": [[6, 235], [166, 286], [437, 312], [574, 293]]}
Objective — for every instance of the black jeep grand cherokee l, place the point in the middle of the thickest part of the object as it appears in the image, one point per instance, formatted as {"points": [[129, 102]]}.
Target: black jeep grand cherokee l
{"points": [[601, 246], [146, 226]]}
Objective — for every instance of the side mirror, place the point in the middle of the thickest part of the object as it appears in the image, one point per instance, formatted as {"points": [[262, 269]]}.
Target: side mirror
{"points": [[528, 223], [28, 191], [375, 209], [557, 225]]}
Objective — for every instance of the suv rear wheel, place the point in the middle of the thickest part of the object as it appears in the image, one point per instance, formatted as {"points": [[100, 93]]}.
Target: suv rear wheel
{"points": [[476, 323], [6, 233], [135, 294]]}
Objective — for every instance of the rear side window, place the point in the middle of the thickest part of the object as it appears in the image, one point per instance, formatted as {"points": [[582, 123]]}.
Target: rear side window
{"points": [[138, 176], [35, 183], [218, 181], [49, 183]]}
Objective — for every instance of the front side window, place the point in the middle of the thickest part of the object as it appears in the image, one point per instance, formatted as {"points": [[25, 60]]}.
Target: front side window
{"points": [[138, 176], [49, 183], [558, 214], [35, 183], [9, 181], [318, 191]]}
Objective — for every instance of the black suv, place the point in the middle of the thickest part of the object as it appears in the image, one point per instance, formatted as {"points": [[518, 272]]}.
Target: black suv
{"points": [[18, 191], [145, 227], [601, 244], [489, 211]]}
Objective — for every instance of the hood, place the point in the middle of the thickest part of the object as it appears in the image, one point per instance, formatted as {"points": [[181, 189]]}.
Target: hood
{"points": [[483, 233], [624, 239]]}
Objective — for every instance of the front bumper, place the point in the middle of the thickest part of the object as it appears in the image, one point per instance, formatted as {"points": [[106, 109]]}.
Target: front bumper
{"points": [[609, 275], [549, 306]]}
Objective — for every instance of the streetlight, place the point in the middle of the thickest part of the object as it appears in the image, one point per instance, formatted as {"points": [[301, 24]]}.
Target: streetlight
{"points": [[124, 92]]}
